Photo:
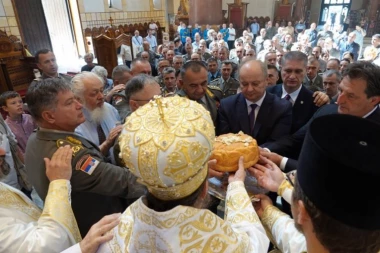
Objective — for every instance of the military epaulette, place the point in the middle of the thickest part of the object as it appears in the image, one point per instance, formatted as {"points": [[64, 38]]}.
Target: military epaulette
{"points": [[75, 144], [216, 92], [213, 87], [215, 80]]}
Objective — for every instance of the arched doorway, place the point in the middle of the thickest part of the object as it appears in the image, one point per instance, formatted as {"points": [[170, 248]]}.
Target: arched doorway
{"points": [[334, 12]]}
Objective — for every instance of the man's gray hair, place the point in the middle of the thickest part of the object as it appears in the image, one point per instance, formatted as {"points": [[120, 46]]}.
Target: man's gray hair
{"points": [[294, 56], [77, 83], [100, 71], [118, 72], [331, 72], [89, 54], [42, 95], [136, 84]]}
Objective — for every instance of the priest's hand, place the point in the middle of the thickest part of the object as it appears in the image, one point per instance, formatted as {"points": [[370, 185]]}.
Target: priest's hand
{"points": [[320, 98], [211, 169], [59, 166], [239, 174], [262, 204], [98, 233], [268, 174]]}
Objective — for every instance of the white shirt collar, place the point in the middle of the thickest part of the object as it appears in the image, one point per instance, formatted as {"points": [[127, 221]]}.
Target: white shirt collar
{"points": [[258, 102], [292, 95], [365, 116]]}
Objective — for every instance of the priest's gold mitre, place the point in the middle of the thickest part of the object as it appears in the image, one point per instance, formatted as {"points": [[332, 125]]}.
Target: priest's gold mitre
{"points": [[166, 144]]}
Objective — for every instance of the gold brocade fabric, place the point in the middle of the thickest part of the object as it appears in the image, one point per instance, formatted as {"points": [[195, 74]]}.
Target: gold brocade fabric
{"points": [[186, 229], [12, 200], [283, 186], [58, 207], [270, 216], [166, 144]]}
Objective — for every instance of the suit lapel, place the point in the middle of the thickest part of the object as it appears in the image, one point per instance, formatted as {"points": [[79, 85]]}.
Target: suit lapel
{"points": [[375, 116], [263, 113], [242, 114]]}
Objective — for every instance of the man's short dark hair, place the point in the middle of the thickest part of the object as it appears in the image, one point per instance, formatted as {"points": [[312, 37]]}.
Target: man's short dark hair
{"points": [[194, 66], [335, 59], [168, 70], [271, 66], [138, 60], [42, 51], [136, 84], [43, 94], [334, 235], [331, 72], [7, 95], [211, 59], [368, 72], [118, 72], [294, 56]]}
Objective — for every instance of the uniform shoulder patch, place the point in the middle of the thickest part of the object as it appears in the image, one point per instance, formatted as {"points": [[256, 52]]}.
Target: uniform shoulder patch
{"points": [[87, 164], [75, 144]]}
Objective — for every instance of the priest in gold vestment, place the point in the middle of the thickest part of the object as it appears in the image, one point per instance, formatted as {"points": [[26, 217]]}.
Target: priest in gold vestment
{"points": [[167, 144], [25, 228]]}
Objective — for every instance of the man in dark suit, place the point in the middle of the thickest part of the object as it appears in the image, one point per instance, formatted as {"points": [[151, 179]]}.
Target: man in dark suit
{"points": [[359, 96], [254, 111], [293, 73], [349, 45]]}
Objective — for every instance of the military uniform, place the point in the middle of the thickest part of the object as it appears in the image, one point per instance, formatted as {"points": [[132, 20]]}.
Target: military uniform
{"points": [[98, 188], [229, 88], [165, 92], [159, 80], [65, 77], [211, 98], [119, 101]]}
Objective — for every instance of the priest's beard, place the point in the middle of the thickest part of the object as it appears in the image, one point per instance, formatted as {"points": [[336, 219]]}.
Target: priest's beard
{"points": [[97, 115]]}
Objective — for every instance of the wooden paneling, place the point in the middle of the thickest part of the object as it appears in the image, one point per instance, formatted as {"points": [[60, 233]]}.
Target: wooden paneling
{"points": [[33, 27]]}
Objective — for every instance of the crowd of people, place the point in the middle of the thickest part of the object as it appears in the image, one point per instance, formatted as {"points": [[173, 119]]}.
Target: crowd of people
{"points": [[124, 162]]}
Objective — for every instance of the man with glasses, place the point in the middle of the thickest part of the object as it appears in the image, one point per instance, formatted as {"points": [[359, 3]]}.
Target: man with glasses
{"points": [[226, 83]]}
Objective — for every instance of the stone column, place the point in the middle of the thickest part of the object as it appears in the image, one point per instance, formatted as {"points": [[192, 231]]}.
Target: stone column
{"points": [[205, 12]]}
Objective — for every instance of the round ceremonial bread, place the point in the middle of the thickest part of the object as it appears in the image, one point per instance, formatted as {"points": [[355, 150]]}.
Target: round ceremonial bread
{"points": [[229, 147]]}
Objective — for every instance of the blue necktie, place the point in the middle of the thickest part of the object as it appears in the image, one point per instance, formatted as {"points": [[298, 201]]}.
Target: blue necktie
{"points": [[252, 116]]}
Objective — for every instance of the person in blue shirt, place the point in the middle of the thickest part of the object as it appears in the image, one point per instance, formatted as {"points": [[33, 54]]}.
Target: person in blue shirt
{"points": [[224, 31], [205, 32], [184, 33], [195, 30]]}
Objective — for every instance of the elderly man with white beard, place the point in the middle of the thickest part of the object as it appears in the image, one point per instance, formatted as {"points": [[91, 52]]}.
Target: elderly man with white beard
{"points": [[102, 123]]}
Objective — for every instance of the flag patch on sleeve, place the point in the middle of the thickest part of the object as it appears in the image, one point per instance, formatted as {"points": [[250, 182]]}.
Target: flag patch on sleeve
{"points": [[89, 165]]}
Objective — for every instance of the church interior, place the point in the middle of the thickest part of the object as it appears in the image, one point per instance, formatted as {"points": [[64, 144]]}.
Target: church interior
{"points": [[68, 26]]}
